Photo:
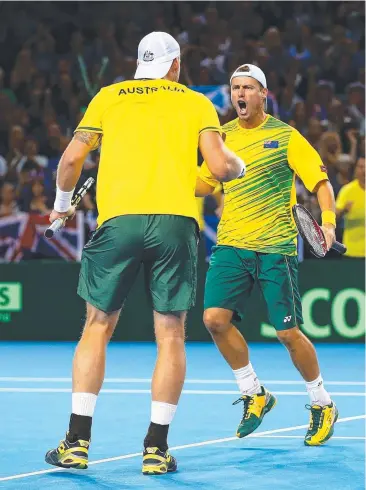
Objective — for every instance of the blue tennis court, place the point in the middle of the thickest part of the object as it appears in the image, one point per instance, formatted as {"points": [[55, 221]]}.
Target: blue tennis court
{"points": [[35, 401]]}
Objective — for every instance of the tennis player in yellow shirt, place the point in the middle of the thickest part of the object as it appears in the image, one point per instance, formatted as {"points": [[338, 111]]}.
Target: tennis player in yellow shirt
{"points": [[257, 242], [150, 128], [351, 205]]}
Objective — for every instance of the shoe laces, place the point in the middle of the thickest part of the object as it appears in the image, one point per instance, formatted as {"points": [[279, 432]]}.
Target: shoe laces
{"points": [[316, 415], [61, 447], [247, 401]]}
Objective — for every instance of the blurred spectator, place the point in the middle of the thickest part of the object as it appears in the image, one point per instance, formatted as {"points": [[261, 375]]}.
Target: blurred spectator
{"points": [[22, 74], [351, 205], [56, 142], [38, 201], [356, 106], [321, 99], [279, 60], [330, 148], [339, 165], [31, 160], [15, 150], [314, 132], [8, 203], [299, 119]]}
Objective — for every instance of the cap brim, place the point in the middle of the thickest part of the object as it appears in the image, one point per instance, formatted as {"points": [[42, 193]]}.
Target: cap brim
{"points": [[153, 71]]}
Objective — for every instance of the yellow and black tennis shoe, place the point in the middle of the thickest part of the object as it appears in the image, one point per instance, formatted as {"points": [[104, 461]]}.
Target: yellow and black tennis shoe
{"points": [[156, 462], [255, 408], [69, 454], [322, 421]]}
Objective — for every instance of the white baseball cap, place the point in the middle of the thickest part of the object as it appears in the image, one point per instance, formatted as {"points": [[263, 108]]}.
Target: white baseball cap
{"points": [[251, 71], [156, 53]]}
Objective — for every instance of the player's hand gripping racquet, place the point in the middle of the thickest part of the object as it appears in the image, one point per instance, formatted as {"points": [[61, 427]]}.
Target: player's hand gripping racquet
{"points": [[60, 222], [312, 234]]}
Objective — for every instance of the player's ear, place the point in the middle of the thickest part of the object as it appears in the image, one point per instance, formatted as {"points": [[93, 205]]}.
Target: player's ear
{"points": [[264, 93]]}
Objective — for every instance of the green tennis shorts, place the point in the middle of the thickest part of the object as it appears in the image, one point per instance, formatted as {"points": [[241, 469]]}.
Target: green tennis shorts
{"points": [[165, 245], [231, 276]]}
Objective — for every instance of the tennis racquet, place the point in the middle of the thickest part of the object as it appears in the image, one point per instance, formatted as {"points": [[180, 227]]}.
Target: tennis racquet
{"points": [[312, 234], [60, 222]]}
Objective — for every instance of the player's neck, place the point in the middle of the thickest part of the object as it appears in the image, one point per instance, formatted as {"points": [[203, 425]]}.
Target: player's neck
{"points": [[254, 122], [362, 183]]}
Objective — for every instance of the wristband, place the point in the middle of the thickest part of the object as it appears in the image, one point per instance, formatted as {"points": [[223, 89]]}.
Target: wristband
{"points": [[329, 217], [63, 200]]}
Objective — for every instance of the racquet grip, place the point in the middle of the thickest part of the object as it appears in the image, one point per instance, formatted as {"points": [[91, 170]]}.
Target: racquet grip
{"points": [[339, 247], [56, 225], [60, 222]]}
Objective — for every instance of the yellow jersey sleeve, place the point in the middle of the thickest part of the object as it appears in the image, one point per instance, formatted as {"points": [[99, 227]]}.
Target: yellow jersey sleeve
{"points": [[209, 120], [92, 120], [342, 198], [204, 174], [305, 161]]}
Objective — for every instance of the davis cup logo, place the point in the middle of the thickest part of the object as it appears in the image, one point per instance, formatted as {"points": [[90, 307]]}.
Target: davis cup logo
{"points": [[148, 56]]}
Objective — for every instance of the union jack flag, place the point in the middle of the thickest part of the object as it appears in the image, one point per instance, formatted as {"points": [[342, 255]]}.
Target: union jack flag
{"points": [[21, 236]]}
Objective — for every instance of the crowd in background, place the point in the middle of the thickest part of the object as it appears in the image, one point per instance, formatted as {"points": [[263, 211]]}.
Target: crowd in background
{"points": [[55, 56]]}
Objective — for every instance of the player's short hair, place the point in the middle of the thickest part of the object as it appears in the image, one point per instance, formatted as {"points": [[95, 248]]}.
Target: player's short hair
{"points": [[243, 69]]}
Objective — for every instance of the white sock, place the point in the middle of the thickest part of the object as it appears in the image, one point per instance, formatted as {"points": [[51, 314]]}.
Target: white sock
{"points": [[247, 380], [317, 393], [84, 403], [162, 413]]}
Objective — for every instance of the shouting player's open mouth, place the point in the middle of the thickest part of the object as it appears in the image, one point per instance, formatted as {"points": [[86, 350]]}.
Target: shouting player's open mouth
{"points": [[242, 107]]}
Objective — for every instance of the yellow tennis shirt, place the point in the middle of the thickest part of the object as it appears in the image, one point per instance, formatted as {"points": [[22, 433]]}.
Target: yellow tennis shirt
{"points": [[148, 162], [257, 211], [354, 220]]}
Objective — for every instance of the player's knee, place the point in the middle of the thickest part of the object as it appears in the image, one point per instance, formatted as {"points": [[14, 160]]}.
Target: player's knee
{"points": [[171, 343], [290, 336], [94, 328], [169, 327], [99, 323], [217, 320], [166, 334]]}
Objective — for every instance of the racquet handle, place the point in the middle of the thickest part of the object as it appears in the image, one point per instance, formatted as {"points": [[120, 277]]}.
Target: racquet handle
{"points": [[56, 225], [60, 222], [339, 247]]}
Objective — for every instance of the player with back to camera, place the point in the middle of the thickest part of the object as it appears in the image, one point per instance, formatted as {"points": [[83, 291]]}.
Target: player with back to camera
{"points": [[257, 242], [150, 128]]}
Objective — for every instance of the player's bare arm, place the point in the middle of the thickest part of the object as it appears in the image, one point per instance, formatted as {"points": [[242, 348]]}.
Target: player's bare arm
{"points": [[72, 160], [92, 140], [224, 164], [325, 195], [69, 170]]}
